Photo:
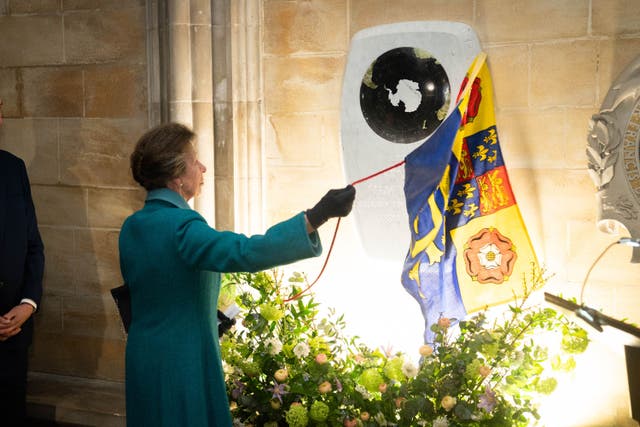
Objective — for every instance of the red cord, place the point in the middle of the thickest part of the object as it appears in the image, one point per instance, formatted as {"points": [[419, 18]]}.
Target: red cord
{"points": [[326, 260], [335, 233], [377, 173]]}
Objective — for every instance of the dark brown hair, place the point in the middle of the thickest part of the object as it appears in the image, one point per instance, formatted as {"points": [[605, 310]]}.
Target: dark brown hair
{"points": [[159, 155]]}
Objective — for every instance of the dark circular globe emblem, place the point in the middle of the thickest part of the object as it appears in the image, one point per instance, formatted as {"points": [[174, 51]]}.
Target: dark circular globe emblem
{"points": [[405, 95]]}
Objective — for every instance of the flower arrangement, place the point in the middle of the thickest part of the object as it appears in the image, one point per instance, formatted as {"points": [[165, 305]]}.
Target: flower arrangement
{"points": [[287, 365]]}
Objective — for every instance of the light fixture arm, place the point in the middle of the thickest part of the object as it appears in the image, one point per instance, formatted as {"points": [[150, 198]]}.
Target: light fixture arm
{"points": [[627, 241]]}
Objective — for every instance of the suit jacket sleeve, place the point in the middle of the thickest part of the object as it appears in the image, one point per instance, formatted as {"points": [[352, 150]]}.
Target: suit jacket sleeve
{"points": [[223, 251], [34, 264]]}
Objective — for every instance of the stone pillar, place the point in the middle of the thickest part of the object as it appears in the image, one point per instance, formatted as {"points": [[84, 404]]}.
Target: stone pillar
{"points": [[180, 48], [207, 75], [247, 94]]}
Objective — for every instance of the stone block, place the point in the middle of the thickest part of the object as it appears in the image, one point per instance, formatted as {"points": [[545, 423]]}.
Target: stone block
{"points": [[52, 91], [179, 12], [96, 151], [60, 261], [10, 90], [116, 91], [301, 139], [523, 20], [60, 206], [201, 90], [302, 84], [48, 318], [575, 141], [614, 56], [290, 190], [220, 81], [68, 401], [369, 13], [509, 67], [564, 74], [224, 187], [586, 243], [31, 40], [108, 208], [180, 73], [533, 139], [36, 142], [223, 129], [94, 316], [200, 12], [614, 18], [315, 26], [105, 35], [33, 6], [78, 356], [101, 4], [98, 268]]}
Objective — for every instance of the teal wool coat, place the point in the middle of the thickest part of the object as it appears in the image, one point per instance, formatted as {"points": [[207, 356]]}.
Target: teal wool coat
{"points": [[172, 261]]}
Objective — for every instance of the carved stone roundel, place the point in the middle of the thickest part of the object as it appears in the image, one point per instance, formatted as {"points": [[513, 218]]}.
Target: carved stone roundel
{"points": [[613, 153]]}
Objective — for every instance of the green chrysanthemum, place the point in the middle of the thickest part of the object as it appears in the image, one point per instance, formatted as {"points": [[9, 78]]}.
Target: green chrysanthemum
{"points": [[473, 369], [371, 379], [250, 369], [319, 411], [393, 369], [297, 416], [546, 386], [270, 312], [227, 296]]}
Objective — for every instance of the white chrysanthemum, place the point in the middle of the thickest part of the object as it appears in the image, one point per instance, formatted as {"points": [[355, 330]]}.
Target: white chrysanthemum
{"points": [[363, 391], [227, 369], [409, 369], [273, 345], [441, 422], [301, 349]]}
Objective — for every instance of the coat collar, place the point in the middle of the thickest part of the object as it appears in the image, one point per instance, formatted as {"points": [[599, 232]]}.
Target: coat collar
{"points": [[167, 195]]}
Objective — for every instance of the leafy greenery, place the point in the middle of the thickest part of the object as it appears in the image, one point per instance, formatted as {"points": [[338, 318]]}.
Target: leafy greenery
{"points": [[287, 365]]}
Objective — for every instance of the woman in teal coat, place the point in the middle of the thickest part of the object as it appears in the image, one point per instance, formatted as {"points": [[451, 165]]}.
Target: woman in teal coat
{"points": [[172, 260]]}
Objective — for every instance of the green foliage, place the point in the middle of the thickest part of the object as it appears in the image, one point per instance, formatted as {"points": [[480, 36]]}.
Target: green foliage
{"points": [[287, 365]]}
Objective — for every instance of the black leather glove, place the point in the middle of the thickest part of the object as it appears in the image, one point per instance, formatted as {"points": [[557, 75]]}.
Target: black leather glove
{"points": [[334, 203]]}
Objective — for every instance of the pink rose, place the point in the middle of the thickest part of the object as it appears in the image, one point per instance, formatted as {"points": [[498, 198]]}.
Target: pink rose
{"points": [[321, 359], [325, 387], [444, 322], [426, 350], [281, 375]]}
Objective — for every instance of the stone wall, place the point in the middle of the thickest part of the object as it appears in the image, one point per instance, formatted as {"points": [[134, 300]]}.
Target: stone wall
{"points": [[73, 77]]}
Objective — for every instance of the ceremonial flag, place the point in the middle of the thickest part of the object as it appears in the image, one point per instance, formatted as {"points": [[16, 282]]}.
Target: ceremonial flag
{"points": [[469, 246]]}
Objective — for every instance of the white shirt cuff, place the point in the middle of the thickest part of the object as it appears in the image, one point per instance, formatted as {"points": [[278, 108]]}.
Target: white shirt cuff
{"points": [[31, 302]]}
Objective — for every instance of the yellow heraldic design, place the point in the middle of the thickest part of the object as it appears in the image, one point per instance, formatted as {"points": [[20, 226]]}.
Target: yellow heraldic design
{"points": [[455, 206], [467, 191], [426, 243], [471, 210]]}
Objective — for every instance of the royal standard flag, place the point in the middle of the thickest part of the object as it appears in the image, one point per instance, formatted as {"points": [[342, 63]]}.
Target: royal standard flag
{"points": [[469, 246]]}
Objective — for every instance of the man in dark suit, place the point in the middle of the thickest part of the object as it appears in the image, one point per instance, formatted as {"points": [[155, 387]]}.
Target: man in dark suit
{"points": [[21, 271]]}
